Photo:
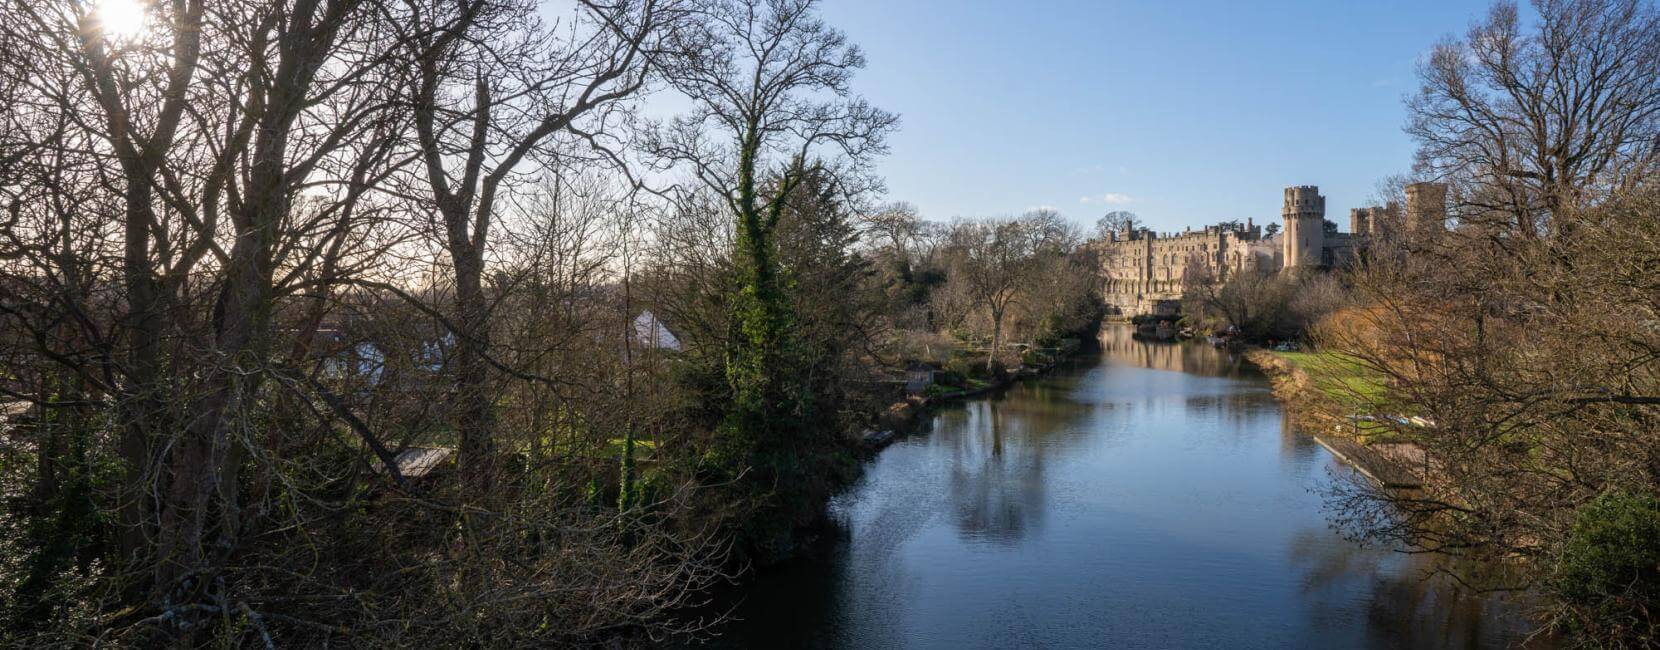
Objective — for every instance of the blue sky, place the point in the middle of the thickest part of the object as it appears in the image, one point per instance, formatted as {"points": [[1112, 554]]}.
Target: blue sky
{"points": [[1186, 113]]}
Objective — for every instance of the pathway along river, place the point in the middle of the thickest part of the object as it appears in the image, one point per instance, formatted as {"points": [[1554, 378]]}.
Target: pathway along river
{"points": [[1153, 497]]}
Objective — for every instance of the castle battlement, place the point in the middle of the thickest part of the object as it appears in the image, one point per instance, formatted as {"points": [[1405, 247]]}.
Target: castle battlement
{"points": [[1305, 232], [1144, 267], [1426, 206], [1374, 221]]}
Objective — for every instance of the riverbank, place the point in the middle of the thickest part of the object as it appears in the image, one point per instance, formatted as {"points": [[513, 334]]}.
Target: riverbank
{"points": [[1336, 402], [905, 417]]}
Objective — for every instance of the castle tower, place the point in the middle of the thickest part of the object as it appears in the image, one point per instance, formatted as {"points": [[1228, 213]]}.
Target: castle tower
{"points": [[1426, 207], [1360, 221], [1373, 221], [1305, 231]]}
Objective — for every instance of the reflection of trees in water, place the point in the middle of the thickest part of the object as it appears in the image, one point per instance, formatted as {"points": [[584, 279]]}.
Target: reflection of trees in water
{"points": [[804, 603], [1409, 601], [1295, 445], [996, 481], [1119, 345], [996, 484], [1234, 408]]}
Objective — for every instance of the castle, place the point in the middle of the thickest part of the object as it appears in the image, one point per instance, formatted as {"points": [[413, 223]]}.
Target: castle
{"points": [[1145, 270]]}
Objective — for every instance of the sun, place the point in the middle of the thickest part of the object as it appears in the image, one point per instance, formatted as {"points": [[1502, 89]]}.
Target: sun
{"points": [[120, 19]]}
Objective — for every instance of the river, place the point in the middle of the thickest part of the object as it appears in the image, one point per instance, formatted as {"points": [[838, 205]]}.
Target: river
{"points": [[1153, 496]]}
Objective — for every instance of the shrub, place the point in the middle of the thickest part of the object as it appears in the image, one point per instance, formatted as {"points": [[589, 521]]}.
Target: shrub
{"points": [[966, 366], [1153, 319], [1607, 573]]}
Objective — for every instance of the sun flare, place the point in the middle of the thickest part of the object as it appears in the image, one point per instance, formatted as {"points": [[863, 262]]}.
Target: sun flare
{"points": [[121, 19]]}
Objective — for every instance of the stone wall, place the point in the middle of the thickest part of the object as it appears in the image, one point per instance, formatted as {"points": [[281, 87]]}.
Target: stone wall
{"points": [[1145, 268]]}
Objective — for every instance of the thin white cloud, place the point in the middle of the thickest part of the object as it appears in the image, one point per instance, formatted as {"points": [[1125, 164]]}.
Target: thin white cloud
{"points": [[1092, 169], [1110, 198]]}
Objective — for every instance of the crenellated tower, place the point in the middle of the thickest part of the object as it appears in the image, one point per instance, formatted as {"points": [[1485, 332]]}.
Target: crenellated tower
{"points": [[1362, 221], [1305, 230], [1426, 207]]}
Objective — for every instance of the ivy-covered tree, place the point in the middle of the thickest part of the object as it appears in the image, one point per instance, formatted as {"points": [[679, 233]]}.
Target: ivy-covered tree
{"points": [[836, 307], [771, 90]]}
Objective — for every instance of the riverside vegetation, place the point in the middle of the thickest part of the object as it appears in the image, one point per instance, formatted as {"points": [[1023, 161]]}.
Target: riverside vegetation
{"points": [[402, 323], [379, 323], [1516, 350]]}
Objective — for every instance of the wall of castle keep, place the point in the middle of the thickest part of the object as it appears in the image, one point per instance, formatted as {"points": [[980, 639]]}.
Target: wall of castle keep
{"points": [[1144, 268], [1147, 261], [1304, 213], [1426, 206]]}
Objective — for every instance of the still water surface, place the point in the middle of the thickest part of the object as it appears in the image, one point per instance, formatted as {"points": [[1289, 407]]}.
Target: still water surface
{"points": [[1153, 497]]}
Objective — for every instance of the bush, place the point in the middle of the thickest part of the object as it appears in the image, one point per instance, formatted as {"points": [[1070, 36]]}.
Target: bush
{"points": [[966, 366], [1153, 319], [1607, 573], [1263, 307]]}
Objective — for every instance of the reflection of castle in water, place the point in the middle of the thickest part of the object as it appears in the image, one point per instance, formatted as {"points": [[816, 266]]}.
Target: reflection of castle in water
{"points": [[1118, 344]]}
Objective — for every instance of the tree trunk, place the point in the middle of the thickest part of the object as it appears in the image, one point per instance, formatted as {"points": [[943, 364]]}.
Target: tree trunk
{"points": [[207, 462], [473, 404], [996, 338], [139, 407]]}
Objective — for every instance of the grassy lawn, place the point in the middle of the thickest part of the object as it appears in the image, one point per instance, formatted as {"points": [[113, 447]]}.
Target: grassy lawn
{"points": [[1341, 379], [1357, 393]]}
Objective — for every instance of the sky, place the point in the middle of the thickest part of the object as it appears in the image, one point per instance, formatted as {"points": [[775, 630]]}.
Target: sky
{"points": [[1186, 113]]}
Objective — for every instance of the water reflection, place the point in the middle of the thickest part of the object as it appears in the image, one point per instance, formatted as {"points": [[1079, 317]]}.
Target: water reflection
{"points": [[996, 484], [1119, 345], [1298, 448], [1155, 498], [1412, 601]]}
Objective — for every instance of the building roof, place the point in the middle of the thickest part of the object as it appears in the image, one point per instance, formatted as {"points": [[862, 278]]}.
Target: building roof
{"points": [[650, 331], [416, 462]]}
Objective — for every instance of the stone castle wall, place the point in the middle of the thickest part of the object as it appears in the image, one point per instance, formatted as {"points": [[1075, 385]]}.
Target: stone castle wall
{"points": [[1145, 270]]}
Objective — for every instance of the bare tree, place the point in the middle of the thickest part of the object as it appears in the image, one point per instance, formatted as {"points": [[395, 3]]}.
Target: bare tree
{"points": [[899, 226], [202, 287], [1540, 122], [1117, 221], [491, 91], [996, 261], [771, 89], [1518, 339], [141, 117]]}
